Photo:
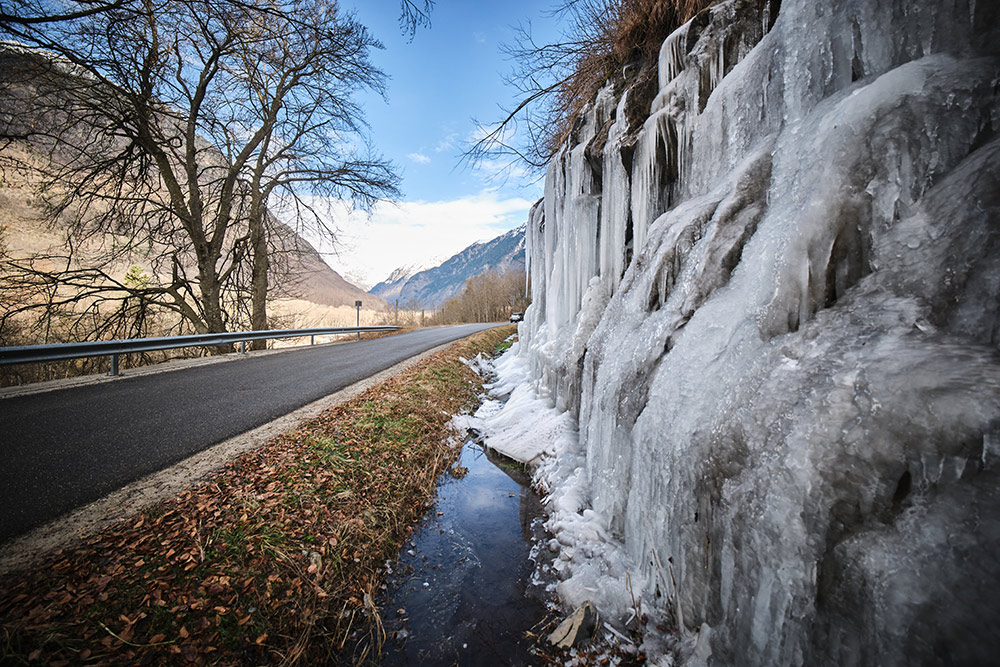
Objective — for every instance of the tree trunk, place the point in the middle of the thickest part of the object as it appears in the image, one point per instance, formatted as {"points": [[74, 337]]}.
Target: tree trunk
{"points": [[211, 300], [258, 279]]}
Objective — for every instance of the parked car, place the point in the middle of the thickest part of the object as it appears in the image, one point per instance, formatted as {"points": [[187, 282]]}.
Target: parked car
{"points": [[516, 317]]}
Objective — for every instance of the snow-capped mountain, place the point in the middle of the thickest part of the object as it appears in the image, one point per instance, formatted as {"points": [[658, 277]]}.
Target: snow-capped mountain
{"points": [[430, 288], [390, 288]]}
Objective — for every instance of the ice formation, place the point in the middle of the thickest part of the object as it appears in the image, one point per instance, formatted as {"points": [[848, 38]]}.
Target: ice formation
{"points": [[772, 316]]}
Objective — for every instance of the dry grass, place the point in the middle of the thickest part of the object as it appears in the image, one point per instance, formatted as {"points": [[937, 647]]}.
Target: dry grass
{"points": [[612, 34], [300, 314], [276, 559]]}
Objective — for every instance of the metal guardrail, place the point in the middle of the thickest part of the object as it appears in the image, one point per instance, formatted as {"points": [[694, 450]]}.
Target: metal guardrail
{"points": [[26, 354]]}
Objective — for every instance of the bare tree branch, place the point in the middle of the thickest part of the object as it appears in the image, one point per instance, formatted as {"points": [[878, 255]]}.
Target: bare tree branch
{"points": [[415, 14], [25, 12]]}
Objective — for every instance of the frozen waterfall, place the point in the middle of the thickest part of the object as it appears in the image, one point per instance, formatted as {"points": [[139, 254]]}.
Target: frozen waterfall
{"points": [[774, 316]]}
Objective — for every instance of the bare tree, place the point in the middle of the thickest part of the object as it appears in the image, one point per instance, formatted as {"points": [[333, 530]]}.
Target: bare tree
{"points": [[489, 297], [300, 82], [168, 127]]}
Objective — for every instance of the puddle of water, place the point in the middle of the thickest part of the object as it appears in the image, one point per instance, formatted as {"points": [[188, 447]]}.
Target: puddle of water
{"points": [[461, 591]]}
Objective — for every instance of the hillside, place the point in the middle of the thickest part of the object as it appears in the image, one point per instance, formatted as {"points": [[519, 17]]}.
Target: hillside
{"points": [[312, 280], [309, 278], [432, 287]]}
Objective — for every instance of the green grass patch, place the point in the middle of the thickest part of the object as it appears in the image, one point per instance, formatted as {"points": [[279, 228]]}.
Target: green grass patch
{"points": [[503, 346]]}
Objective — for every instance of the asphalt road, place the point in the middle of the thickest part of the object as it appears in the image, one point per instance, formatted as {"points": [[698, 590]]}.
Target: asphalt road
{"points": [[62, 449]]}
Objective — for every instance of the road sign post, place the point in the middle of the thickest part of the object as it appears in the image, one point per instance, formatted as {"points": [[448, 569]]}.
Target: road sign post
{"points": [[357, 304]]}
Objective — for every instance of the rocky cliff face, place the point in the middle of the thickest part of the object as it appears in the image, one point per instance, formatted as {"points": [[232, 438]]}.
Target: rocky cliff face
{"points": [[773, 311]]}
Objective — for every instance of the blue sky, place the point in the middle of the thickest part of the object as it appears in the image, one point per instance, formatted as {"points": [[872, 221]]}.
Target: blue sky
{"points": [[442, 79]]}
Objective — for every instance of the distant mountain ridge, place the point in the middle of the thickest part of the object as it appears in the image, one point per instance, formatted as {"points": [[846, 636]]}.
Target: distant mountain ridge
{"points": [[430, 288], [390, 288], [310, 278]]}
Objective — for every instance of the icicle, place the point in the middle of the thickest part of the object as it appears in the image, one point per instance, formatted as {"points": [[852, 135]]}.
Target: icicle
{"points": [[614, 204], [681, 140], [671, 60], [717, 67]]}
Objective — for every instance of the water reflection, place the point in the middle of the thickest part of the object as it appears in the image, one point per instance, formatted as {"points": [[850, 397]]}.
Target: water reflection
{"points": [[461, 593]]}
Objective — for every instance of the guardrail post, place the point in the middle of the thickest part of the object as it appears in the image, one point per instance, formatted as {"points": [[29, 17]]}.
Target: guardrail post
{"points": [[312, 340], [243, 347], [114, 365]]}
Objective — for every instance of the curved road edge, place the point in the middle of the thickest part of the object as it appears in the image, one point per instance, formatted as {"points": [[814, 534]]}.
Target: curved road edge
{"points": [[119, 505]]}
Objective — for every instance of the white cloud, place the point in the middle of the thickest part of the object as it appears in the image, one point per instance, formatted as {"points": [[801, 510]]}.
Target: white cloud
{"points": [[447, 144], [419, 158], [417, 232]]}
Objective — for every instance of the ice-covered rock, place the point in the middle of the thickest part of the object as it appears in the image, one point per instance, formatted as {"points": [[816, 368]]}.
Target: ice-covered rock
{"points": [[773, 314]]}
